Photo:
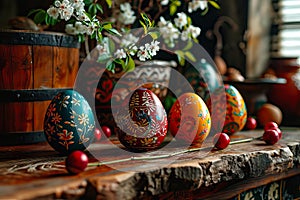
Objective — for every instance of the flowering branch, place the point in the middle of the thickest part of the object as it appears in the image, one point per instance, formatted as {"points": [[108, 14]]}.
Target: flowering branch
{"points": [[86, 19]]}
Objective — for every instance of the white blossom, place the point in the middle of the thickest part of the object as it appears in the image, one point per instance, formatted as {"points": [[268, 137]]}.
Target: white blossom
{"points": [[168, 32], [143, 54], [80, 28], [65, 9], [152, 48], [82, 16], [196, 4], [128, 40], [181, 20], [203, 4], [120, 54], [91, 29], [70, 29], [164, 2], [133, 50], [194, 31], [185, 35], [102, 49], [125, 7], [78, 5], [127, 15], [53, 12]]}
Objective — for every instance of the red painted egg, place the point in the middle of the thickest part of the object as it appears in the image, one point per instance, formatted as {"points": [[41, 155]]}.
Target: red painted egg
{"points": [[142, 122], [189, 119]]}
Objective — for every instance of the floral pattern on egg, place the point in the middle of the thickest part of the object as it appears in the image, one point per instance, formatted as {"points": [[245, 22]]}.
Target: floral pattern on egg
{"points": [[69, 122], [236, 112], [142, 125], [189, 119]]}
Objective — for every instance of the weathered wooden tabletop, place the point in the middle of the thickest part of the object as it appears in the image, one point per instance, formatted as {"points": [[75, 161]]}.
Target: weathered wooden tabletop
{"points": [[37, 171]]}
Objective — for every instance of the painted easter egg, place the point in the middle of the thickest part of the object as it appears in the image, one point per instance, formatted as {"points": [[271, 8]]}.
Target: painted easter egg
{"points": [[189, 119], [236, 112], [142, 122], [69, 122]]}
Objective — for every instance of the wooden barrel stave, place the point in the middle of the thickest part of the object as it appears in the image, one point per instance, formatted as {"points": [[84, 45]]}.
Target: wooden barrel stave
{"points": [[37, 61]]}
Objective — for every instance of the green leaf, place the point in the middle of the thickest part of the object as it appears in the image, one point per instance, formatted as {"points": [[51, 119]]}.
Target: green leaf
{"points": [[92, 9], [110, 66], [109, 3], [99, 7], [81, 38], [173, 9], [31, 12], [103, 57], [205, 11], [40, 17], [190, 56], [154, 35], [107, 25], [129, 64], [214, 4], [180, 57], [114, 31], [88, 2], [188, 46], [144, 26], [177, 3]]}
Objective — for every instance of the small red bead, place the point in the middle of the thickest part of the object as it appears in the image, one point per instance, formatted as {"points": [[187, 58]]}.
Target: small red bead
{"points": [[250, 123], [221, 140], [271, 136], [76, 162], [106, 130], [270, 125], [97, 134]]}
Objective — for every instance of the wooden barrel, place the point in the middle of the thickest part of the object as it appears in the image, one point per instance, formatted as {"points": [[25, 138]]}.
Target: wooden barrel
{"points": [[34, 66]]}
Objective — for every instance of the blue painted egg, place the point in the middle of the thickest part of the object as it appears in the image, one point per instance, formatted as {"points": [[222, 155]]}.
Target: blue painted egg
{"points": [[69, 122]]}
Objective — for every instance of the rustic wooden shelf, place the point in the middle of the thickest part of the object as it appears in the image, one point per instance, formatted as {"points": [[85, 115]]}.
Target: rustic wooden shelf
{"points": [[36, 171]]}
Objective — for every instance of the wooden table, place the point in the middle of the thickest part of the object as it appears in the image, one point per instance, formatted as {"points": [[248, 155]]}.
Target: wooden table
{"points": [[37, 171]]}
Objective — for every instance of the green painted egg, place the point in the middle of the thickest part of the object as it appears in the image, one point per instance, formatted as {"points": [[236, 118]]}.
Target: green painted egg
{"points": [[69, 122]]}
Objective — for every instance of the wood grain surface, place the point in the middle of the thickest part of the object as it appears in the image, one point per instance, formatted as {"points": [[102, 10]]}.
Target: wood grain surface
{"points": [[38, 172]]}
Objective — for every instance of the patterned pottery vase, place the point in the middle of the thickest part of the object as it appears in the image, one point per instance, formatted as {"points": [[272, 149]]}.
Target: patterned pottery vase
{"points": [[142, 121], [69, 122], [286, 96]]}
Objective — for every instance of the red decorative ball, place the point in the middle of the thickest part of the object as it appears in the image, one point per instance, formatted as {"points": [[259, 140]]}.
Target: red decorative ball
{"points": [[271, 136], [221, 140], [270, 125], [76, 162], [250, 123], [279, 132], [106, 130], [97, 134]]}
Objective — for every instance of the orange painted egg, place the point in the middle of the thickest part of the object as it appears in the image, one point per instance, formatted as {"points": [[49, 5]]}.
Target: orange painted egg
{"points": [[236, 112], [189, 119], [142, 124]]}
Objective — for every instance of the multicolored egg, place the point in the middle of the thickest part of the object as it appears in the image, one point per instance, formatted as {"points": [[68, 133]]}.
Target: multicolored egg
{"points": [[189, 119], [69, 122], [142, 122], [236, 112]]}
